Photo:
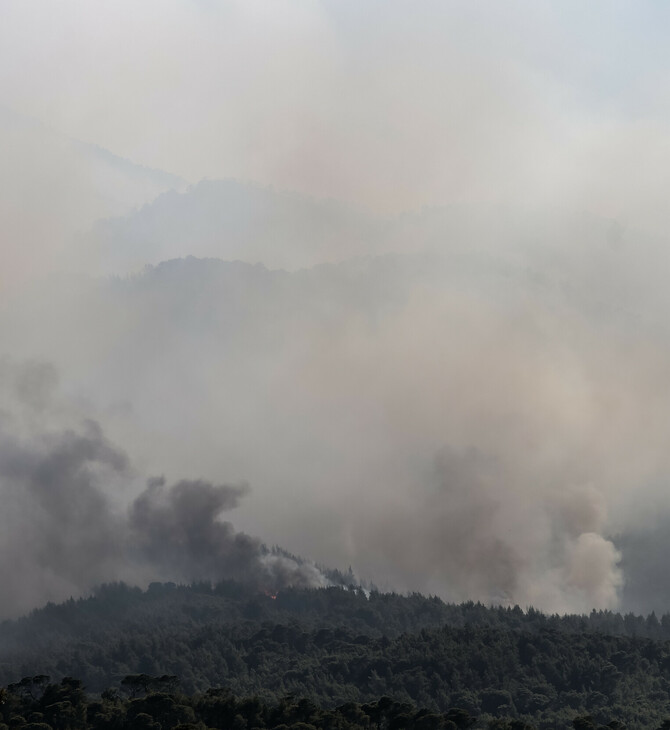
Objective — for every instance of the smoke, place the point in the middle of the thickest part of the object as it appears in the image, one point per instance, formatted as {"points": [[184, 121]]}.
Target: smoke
{"points": [[57, 532], [484, 530], [480, 411], [475, 426], [53, 188], [382, 106], [178, 533], [62, 534]]}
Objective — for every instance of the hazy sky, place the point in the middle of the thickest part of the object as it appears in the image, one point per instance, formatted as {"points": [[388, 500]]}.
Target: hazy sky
{"points": [[482, 416], [390, 104]]}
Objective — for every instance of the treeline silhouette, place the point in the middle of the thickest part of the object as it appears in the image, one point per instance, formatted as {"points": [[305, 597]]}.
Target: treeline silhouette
{"points": [[156, 703]]}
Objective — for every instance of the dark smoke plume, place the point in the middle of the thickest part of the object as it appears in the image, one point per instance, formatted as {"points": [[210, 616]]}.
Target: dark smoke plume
{"points": [[177, 531], [61, 533]]}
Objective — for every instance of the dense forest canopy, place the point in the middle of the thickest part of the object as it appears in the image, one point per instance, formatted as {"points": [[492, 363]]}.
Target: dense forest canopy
{"points": [[348, 645], [154, 703]]}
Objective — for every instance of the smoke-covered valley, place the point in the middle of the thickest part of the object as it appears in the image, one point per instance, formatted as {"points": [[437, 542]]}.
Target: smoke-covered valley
{"points": [[439, 358], [476, 425]]}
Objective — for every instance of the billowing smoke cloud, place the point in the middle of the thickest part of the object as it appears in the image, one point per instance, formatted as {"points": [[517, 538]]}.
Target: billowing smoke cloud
{"points": [[61, 534], [482, 530], [57, 533], [432, 429], [178, 532], [481, 411], [474, 427]]}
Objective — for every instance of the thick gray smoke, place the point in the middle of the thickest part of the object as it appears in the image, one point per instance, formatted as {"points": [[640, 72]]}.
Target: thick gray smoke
{"points": [[458, 380], [485, 529], [464, 421], [177, 531], [61, 533], [57, 533]]}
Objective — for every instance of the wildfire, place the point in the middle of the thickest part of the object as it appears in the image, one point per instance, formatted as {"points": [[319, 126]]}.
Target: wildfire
{"points": [[273, 596]]}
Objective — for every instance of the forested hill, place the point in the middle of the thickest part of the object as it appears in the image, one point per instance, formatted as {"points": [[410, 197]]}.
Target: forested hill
{"points": [[335, 645]]}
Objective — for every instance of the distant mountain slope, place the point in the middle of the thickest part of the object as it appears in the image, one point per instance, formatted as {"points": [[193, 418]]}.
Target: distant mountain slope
{"points": [[53, 188], [229, 219], [15, 127]]}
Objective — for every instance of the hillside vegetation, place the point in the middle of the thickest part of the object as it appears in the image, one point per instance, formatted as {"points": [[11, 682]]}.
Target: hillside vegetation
{"points": [[338, 646]]}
